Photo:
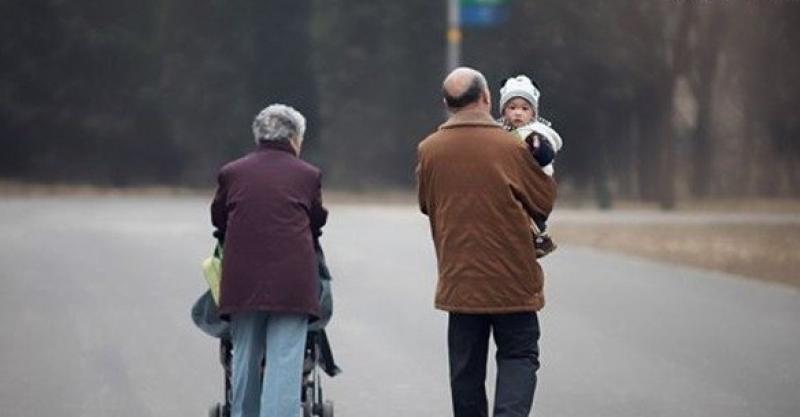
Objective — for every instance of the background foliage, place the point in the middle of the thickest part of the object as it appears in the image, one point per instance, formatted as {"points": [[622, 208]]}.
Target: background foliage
{"points": [[657, 100]]}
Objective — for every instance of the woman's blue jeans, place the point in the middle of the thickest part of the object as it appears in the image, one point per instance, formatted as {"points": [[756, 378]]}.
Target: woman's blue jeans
{"points": [[283, 338]]}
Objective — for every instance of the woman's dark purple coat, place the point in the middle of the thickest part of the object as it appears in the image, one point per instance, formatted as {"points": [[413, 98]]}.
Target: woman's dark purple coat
{"points": [[268, 207]]}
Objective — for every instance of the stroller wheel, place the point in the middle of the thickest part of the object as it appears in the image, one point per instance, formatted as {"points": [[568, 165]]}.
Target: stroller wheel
{"points": [[327, 409], [215, 410]]}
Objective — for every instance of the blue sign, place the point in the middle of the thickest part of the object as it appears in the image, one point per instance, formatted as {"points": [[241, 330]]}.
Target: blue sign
{"points": [[484, 15]]}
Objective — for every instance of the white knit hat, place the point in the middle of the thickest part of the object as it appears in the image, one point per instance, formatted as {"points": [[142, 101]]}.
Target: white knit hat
{"points": [[519, 86]]}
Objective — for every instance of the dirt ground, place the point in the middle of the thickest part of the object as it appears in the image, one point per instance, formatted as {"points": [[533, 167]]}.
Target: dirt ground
{"points": [[768, 252]]}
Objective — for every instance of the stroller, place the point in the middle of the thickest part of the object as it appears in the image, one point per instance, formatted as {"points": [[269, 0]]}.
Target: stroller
{"points": [[318, 355]]}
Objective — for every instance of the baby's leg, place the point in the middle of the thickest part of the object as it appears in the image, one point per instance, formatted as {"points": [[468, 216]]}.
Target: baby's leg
{"points": [[540, 224], [541, 240]]}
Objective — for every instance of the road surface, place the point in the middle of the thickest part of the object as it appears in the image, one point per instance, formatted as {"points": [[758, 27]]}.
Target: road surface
{"points": [[95, 295]]}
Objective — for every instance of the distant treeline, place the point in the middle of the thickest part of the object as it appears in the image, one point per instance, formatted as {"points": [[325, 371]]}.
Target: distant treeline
{"points": [[656, 100]]}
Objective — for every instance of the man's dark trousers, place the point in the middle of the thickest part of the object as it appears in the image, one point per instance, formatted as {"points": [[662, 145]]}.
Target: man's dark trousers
{"points": [[517, 339]]}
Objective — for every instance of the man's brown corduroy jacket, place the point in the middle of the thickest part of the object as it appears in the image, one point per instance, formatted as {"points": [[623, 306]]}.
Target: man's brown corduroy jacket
{"points": [[480, 187]]}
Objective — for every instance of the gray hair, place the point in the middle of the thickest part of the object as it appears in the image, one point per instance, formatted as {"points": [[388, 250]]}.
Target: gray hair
{"points": [[280, 123]]}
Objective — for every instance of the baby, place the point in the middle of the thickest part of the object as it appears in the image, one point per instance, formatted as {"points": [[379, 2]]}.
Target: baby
{"points": [[519, 107]]}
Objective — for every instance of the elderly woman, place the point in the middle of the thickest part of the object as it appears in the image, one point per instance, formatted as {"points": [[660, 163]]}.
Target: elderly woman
{"points": [[267, 210]]}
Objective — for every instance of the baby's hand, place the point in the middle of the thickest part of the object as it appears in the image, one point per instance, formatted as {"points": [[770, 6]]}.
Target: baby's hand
{"points": [[533, 141]]}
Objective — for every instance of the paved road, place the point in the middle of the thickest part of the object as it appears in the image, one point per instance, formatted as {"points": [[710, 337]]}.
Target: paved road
{"points": [[95, 292]]}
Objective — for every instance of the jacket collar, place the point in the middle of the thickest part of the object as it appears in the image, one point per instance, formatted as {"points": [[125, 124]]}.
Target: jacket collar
{"points": [[470, 118], [276, 145]]}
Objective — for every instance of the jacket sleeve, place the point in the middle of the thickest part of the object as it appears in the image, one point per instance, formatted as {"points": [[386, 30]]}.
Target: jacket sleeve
{"points": [[421, 186], [219, 208], [318, 213], [549, 134], [534, 189]]}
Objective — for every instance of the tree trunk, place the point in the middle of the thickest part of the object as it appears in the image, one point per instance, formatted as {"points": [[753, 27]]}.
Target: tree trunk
{"points": [[706, 60]]}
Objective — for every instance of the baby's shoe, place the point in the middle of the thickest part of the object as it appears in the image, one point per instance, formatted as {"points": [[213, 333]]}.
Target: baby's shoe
{"points": [[543, 245]]}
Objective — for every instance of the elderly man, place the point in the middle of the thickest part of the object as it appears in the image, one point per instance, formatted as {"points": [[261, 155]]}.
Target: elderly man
{"points": [[480, 188], [267, 209]]}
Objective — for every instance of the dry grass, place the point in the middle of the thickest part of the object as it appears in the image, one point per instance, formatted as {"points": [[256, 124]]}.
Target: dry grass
{"points": [[768, 252]]}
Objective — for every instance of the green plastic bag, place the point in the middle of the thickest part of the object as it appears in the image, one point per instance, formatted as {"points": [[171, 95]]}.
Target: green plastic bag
{"points": [[212, 271]]}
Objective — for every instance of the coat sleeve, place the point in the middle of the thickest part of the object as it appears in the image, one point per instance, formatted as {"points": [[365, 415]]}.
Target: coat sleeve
{"points": [[549, 134], [318, 213], [219, 208], [534, 189], [421, 185]]}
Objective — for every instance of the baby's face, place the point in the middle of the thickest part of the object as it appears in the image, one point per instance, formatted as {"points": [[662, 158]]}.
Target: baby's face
{"points": [[518, 112]]}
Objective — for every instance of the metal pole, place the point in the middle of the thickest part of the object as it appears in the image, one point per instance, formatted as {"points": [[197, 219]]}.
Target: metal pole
{"points": [[453, 34]]}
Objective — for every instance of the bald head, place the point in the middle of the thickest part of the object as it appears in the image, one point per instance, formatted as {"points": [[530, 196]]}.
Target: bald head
{"points": [[465, 88]]}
